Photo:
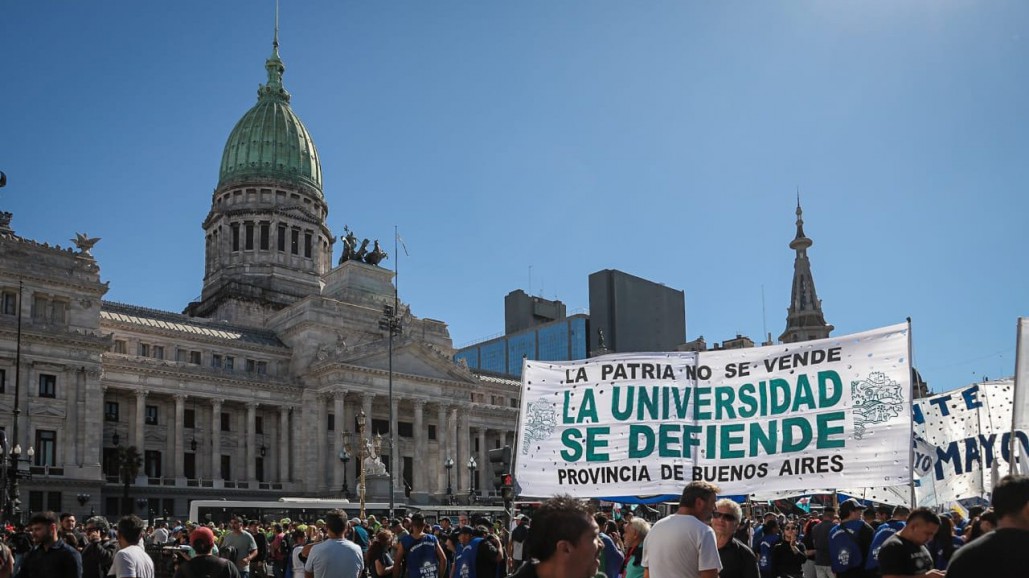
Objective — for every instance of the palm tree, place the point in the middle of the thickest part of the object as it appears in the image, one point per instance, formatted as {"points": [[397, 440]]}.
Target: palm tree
{"points": [[129, 462]]}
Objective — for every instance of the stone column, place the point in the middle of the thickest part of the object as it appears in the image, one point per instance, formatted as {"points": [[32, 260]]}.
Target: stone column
{"points": [[71, 434], [284, 443], [421, 459], [251, 442], [322, 433], [137, 435], [484, 476], [338, 409], [216, 439], [454, 446], [444, 450], [180, 419], [394, 447], [463, 451]]}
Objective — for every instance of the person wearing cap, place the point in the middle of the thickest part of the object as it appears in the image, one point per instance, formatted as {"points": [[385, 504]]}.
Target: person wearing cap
{"points": [[419, 555], [359, 535], [203, 564], [849, 541], [904, 553], [886, 529], [516, 545]]}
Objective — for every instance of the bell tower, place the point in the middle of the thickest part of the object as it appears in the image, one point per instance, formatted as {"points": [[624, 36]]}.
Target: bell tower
{"points": [[804, 318]]}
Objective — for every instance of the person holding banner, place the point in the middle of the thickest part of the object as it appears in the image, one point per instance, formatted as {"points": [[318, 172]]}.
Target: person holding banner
{"points": [[683, 545], [1003, 553]]}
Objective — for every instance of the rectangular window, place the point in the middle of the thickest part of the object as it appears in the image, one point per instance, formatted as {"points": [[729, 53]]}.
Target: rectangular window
{"points": [[265, 233], [331, 425], [226, 467], [152, 463], [47, 385], [229, 362], [194, 357], [53, 501], [235, 236], [281, 237], [294, 241], [111, 411], [40, 305], [259, 469], [251, 366], [58, 312], [120, 346], [151, 415], [189, 466], [307, 245], [226, 421], [262, 368], [180, 355], [216, 361], [432, 431], [46, 447], [248, 236], [3, 380], [36, 501], [8, 303], [477, 445], [189, 418], [405, 429], [258, 424], [158, 352], [380, 426], [110, 463], [144, 349]]}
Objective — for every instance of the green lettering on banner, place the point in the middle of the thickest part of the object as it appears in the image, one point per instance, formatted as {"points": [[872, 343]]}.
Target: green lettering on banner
{"points": [[726, 450], [780, 391], [593, 443], [570, 438], [668, 441], [825, 377], [689, 439], [620, 413], [824, 430], [769, 440], [636, 431], [724, 398], [682, 400], [791, 444], [804, 394], [588, 409], [648, 399], [749, 408], [701, 398], [565, 418]]}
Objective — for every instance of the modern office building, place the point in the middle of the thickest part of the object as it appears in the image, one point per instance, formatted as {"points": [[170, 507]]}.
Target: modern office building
{"points": [[631, 314]]}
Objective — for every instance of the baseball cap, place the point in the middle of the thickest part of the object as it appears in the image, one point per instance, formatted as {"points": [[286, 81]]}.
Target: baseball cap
{"points": [[850, 505], [523, 517], [202, 534]]}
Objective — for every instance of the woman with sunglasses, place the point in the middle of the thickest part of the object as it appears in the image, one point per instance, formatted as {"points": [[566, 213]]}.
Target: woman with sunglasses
{"points": [[788, 555]]}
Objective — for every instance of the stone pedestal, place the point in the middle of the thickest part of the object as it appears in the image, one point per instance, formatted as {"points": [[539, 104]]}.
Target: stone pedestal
{"points": [[354, 281], [376, 488]]}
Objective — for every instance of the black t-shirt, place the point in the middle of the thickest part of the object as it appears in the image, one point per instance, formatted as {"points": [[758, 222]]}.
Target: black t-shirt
{"points": [[899, 555], [738, 561], [518, 535], [486, 559], [785, 562], [820, 541], [207, 567], [262, 546], [1002, 553]]}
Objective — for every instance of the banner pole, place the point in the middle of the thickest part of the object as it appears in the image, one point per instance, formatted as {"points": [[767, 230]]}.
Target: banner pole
{"points": [[1017, 394], [911, 413]]}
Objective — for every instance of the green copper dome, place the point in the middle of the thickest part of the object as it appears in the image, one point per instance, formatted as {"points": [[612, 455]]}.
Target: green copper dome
{"points": [[270, 141]]}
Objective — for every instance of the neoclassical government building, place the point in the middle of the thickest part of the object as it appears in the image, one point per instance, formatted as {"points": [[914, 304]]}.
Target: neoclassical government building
{"points": [[248, 392]]}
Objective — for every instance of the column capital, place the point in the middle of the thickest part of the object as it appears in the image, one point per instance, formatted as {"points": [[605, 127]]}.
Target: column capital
{"points": [[142, 393], [340, 394], [253, 405], [180, 397], [216, 403], [368, 396], [285, 409], [419, 403]]}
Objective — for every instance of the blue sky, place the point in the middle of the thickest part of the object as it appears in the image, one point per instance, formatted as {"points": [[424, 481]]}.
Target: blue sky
{"points": [[664, 139]]}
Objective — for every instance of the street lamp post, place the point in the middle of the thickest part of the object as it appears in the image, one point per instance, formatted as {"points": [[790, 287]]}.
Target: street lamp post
{"points": [[10, 473], [392, 325], [449, 465], [361, 488], [344, 456], [472, 464], [83, 500]]}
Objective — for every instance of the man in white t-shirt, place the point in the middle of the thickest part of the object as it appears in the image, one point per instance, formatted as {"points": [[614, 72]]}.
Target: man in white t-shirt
{"points": [[683, 545], [131, 561]]}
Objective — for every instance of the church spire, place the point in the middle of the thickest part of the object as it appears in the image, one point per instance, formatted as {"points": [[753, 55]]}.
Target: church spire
{"points": [[804, 317]]}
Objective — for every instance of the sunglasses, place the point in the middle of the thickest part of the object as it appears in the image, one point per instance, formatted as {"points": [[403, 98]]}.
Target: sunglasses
{"points": [[723, 516]]}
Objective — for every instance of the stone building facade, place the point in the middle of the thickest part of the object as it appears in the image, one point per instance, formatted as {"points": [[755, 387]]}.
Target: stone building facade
{"points": [[247, 393]]}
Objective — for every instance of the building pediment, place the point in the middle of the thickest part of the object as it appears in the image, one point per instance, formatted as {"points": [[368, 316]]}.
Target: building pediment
{"points": [[409, 358], [45, 409]]}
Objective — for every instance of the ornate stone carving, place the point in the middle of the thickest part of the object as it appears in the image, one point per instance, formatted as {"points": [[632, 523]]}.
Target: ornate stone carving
{"points": [[85, 244]]}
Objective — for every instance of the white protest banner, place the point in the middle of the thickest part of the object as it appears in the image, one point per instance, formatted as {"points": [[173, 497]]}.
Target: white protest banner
{"points": [[968, 432], [1020, 417], [827, 413]]}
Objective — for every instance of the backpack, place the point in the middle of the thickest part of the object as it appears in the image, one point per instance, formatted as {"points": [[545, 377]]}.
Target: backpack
{"points": [[844, 549]]}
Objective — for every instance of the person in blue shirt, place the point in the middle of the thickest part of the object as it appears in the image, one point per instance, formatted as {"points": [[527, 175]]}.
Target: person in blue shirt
{"points": [[883, 532], [420, 553], [849, 541]]}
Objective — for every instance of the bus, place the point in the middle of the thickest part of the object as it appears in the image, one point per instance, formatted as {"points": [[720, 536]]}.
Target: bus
{"points": [[434, 513], [306, 509]]}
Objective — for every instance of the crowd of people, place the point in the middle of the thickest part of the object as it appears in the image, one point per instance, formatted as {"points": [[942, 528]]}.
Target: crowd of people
{"points": [[705, 538]]}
